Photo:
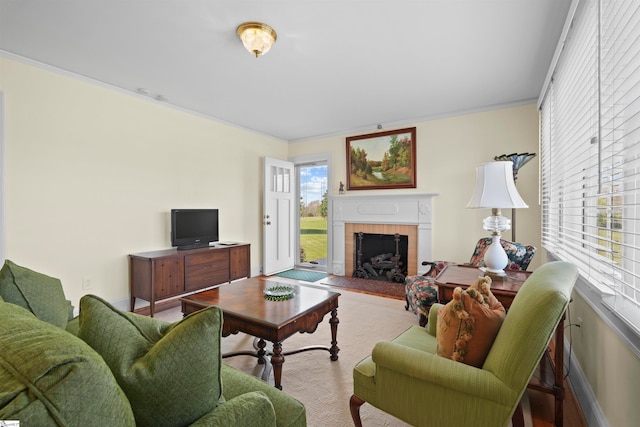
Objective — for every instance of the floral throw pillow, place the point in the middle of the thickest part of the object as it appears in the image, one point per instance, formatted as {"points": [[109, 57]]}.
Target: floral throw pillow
{"points": [[469, 323]]}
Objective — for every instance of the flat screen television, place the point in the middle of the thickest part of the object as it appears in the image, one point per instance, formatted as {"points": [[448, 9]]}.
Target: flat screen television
{"points": [[194, 228]]}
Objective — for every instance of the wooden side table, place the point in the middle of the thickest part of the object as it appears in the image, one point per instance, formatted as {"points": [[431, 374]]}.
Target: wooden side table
{"points": [[453, 276], [549, 376]]}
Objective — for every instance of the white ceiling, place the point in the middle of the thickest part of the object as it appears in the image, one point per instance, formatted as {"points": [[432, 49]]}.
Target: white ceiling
{"points": [[337, 67]]}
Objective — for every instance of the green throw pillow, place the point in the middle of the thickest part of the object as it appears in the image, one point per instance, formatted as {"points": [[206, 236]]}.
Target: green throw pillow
{"points": [[50, 377], [40, 294], [169, 372]]}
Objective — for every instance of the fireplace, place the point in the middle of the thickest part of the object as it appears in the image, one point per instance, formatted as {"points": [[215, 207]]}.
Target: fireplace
{"points": [[380, 256], [351, 248], [406, 214]]}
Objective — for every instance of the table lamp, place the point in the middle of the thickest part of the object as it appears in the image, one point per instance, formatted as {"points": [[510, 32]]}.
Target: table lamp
{"points": [[496, 190]]}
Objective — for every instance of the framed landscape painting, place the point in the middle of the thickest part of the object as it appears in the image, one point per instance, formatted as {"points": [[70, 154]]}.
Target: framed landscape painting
{"points": [[382, 160]]}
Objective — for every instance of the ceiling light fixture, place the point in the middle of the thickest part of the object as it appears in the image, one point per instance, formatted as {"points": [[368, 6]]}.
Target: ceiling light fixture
{"points": [[257, 37]]}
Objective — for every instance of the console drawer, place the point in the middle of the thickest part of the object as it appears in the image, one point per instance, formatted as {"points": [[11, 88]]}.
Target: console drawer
{"points": [[206, 269]]}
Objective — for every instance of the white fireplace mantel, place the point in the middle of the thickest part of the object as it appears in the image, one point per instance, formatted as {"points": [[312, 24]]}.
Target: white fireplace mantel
{"points": [[405, 208]]}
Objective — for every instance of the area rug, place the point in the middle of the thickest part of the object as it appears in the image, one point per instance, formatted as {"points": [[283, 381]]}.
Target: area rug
{"points": [[304, 275], [373, 287], [323, 386]]}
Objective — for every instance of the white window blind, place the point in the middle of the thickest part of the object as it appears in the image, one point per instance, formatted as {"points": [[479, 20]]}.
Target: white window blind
{"points": [[590, 152]]}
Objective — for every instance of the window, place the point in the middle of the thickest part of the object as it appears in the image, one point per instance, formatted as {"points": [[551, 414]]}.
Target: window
{"points": [[590, 152]]}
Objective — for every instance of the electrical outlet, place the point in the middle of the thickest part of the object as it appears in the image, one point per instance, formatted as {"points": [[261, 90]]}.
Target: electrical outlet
{"points": [[579, 322], [86, 284]]}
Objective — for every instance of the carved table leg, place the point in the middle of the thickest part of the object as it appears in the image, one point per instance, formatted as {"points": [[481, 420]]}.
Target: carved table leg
{"points": [[558, 387], [517, 420], [261, 351], [334, 334], [277, 359]]}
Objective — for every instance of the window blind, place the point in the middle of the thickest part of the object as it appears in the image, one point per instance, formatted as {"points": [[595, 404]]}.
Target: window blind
{"points": [[590, 152]]}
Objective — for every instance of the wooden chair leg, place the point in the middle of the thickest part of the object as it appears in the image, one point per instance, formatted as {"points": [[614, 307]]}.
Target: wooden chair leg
{"points": [[422, 320], [517, 420], [354, 405]]}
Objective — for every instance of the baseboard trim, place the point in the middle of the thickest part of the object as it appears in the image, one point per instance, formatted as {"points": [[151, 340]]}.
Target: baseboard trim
{"points": [[581, 389]]}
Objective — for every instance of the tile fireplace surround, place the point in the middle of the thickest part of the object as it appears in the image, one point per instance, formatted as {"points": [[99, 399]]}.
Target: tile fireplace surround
{"points": [[406, 214]]}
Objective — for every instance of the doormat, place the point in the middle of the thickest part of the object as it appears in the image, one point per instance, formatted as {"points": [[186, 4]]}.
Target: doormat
{"points": [[304, 275]]}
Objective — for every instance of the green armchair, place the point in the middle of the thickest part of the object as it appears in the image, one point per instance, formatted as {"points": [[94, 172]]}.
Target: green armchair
{"points": [[407, 379]]}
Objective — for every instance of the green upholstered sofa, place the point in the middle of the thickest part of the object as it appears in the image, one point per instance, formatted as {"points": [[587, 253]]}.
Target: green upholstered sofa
{"points": [[406, 378], [108, 367]]}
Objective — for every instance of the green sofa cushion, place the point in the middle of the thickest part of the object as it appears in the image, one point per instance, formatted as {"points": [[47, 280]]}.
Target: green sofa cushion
{"points": [[251, 409], [289, 411], [50, 377], [169, 372], [40, 294]]}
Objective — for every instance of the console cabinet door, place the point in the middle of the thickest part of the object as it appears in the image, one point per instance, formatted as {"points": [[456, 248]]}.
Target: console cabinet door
{"points": [[206, 269], [240, 262], [168, 277]]}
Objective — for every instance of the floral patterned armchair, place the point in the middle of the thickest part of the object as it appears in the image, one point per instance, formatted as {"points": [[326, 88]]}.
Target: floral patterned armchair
{"points": [[421, 292], [519, 255]]}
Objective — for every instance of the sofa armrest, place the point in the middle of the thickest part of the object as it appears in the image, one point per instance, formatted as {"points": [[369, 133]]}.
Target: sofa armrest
{"points": [[435, 374], [433, 319], [252, 409]]}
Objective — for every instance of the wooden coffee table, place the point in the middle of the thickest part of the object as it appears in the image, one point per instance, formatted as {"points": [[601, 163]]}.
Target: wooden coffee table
{"points": [[245, 309]]}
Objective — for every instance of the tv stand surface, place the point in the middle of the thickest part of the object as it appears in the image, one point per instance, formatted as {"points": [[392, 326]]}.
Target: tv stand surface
{"points": [[189, 247], [169, 273]]}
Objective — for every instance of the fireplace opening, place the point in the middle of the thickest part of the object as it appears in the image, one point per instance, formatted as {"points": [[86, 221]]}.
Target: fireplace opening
{"points": [[380, 256]]}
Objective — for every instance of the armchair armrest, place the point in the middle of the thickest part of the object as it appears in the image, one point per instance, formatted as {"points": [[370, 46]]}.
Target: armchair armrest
{"points": [[433, 319], [435, 267], [437, 374]]}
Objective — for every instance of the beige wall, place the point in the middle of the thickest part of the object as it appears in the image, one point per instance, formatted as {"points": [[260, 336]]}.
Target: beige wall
{"points": [[448, 151], [610, 366], [91, 174]]}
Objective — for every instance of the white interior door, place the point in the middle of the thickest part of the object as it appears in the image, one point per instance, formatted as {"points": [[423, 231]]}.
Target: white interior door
{"points": [[278, 219]]}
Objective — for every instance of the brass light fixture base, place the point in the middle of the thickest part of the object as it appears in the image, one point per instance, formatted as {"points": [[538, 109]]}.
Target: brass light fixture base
{"points": [[257, 37]]}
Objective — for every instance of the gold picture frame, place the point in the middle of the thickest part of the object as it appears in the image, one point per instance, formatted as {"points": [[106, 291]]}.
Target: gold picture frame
{"points": [[382, 160]]}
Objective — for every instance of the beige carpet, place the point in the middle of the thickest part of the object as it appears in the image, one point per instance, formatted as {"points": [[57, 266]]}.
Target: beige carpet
{"points": [[324, 387]]}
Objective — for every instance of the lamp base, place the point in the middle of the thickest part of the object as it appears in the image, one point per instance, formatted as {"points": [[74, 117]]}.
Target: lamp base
{"points": [[495, 258], [497, 277]]}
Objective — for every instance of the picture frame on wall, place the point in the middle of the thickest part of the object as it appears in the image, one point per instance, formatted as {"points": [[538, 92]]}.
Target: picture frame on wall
{"points": [[382, 160]]}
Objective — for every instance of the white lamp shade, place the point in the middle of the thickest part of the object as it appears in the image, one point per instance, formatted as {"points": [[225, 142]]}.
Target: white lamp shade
{"points": [[495, 187]]}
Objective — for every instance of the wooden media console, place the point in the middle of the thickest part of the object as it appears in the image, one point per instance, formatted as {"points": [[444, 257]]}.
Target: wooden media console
{"points": [[169, 273]]}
